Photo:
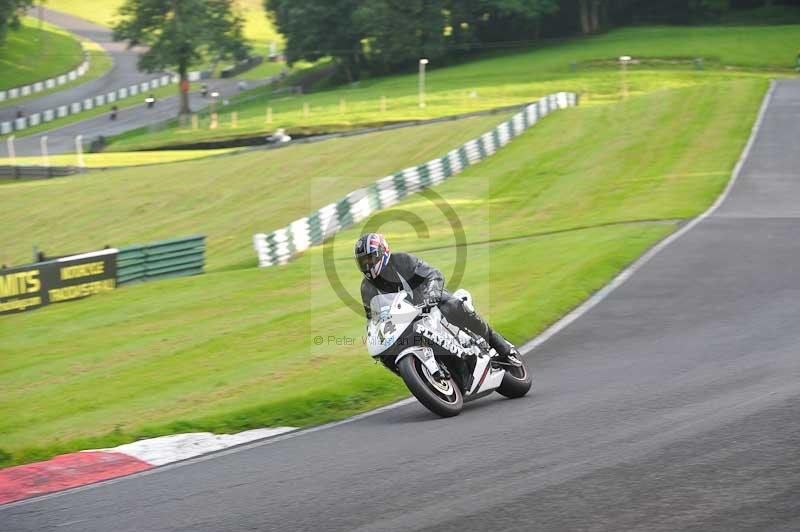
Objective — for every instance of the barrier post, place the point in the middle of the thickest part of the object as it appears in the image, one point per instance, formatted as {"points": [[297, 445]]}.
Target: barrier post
{"points": [[79, 151], [422, 63], [43, 145], [12, 153], [623, 65]]}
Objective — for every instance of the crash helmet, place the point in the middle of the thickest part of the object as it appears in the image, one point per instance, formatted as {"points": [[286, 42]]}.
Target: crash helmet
{"points": [[372, 254]]}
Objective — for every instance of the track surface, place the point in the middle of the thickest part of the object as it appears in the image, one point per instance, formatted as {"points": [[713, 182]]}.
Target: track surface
{"points": [[124, 72], [62, 139], [670, 406]]}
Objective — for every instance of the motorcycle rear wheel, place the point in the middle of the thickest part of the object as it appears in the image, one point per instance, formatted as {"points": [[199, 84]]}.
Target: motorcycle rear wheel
{"points": [[443, 398]]}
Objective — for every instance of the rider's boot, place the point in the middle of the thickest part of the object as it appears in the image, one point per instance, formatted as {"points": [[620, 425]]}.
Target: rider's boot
{"points": [[506, 351]]}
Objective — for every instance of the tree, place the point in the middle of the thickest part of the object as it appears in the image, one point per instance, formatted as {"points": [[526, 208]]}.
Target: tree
{"points": [[590, 15], [596, 14], [319, 28], [506, 20], [400, 32], [714, 8], [181, 33], [9, 15]]}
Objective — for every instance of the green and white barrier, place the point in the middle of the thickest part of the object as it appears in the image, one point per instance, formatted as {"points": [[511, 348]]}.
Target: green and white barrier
{"points": [[45, 84], [279, 247], [86, 104]]}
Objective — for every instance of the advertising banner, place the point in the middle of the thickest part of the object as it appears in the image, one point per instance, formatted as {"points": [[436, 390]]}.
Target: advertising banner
{"points": [[64, 279]]}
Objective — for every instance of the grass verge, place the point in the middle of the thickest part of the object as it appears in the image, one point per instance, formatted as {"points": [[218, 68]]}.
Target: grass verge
{"points": [[551, 218], [586, 65], [110, 160], [30, 54], [99, 64], [227, 198]]}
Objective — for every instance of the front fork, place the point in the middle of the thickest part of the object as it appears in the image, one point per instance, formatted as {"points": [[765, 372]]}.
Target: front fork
{"points": [[425, 355]]}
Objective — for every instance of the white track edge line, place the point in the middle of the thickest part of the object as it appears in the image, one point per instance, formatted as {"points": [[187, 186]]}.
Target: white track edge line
{"points": [[626, 274], [526, 348]]}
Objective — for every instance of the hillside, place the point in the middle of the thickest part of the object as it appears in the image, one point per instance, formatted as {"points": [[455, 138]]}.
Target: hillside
{"points": [[550, 218]]}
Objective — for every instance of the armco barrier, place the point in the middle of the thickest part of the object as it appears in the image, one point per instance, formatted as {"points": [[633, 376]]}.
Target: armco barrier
{"points": [[279, 247], [158, 260], [36, 172]]}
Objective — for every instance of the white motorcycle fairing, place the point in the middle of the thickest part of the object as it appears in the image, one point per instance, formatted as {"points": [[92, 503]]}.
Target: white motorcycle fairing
{"points": [[392, 314]]}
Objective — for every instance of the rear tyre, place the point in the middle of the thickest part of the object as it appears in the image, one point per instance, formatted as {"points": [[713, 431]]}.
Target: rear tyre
{"points": [[443, 398], [517, 381]]}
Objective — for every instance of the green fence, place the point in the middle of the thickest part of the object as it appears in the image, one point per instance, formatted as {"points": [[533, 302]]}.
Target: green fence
{"points": [[158, 260]]}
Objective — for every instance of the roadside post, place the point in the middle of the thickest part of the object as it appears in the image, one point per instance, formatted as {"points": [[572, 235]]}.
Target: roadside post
{"points": [[623, 64], [12, 153], [43, 145], [214, 117], [79, 151], [422, 63]]}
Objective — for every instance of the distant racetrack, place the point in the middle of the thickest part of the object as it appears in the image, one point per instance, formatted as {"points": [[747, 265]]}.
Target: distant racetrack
{"points": [[124, 72], [62, 139], [672, 405]]}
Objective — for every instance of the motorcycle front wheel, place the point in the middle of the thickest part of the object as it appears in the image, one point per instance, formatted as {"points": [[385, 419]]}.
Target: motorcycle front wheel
{"points": [[443, 398], [517, 381]]}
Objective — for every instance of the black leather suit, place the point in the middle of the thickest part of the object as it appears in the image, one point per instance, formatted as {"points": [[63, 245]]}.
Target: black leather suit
{"points": [[427, 284]]}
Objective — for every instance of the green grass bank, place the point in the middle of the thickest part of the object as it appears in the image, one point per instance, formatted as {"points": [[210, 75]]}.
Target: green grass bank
{"points": [[666, 60], [34, 54]]}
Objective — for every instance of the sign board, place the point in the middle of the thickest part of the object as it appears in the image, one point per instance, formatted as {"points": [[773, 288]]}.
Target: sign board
{"points": [[55, 281]]}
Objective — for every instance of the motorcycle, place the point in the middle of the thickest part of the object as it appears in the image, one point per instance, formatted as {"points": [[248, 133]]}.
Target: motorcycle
{"points": [[442, 365]]}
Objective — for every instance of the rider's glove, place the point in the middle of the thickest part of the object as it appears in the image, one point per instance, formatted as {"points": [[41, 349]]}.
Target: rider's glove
{"points": [[431, 300]]}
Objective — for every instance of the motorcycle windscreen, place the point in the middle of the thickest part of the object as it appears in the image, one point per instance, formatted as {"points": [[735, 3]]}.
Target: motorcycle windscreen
{"points": [[380, 306]]}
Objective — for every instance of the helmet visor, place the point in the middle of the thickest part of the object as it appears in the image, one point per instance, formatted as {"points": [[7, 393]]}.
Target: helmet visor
{"points": [[367, 261]]}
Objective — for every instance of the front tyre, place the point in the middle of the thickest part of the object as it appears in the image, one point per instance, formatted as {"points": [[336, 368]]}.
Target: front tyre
{"points": [[517, 381], [443, 398]]}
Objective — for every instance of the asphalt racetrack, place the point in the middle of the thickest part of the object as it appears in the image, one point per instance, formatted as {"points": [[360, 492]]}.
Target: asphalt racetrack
{"points": [[672, 405], [124, 73]]}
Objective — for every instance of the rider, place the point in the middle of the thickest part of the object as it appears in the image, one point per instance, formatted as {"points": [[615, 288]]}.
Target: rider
{"points": [[387, 272]]}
